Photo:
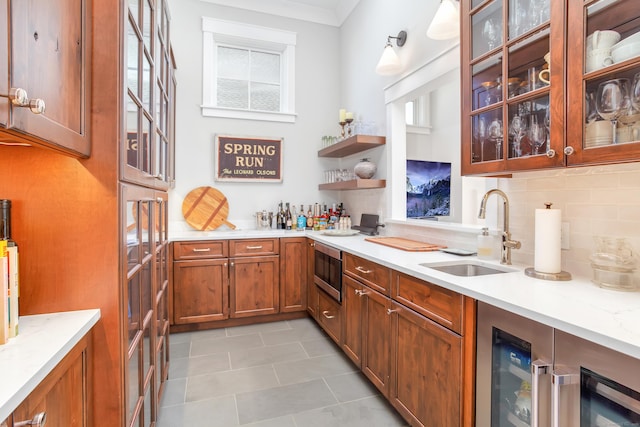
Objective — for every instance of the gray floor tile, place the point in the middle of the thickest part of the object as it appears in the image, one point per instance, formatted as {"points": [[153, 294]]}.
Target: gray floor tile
{"points": [[199, 365], [218, 412], [369, 412], [279, 401], [179, 350], [309, 369], [261, 327], [267, 355], [300, 332], [226, 383], [174, 392], [220, 345], [208, 334], [320, 347], [274, 422], [351, 386]]}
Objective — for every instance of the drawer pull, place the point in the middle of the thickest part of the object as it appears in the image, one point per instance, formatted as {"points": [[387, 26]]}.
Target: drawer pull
{"points": [[202, 250], [254, 247], [360, 292], [363, 270], [38, 420], [389, 311], [326, 314]]}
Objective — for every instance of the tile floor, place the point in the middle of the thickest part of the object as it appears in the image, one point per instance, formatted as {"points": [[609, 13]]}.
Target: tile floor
{"points": [[281, 374]]}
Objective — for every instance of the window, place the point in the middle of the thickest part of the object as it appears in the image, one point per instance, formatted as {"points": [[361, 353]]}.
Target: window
{"points": [[248, 71]]}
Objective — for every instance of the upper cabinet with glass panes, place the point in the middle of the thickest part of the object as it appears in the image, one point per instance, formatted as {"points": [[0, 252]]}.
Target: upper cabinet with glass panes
{"points": [[520, 112]]}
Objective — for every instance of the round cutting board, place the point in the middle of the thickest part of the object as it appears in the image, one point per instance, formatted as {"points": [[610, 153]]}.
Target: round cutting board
{"points": [[205, 209]]}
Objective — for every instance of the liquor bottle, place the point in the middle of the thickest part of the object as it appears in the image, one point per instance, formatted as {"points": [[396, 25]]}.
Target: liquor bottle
{"points": [[294, 218], [302, 219], [283, 218], [310, 219], [13, 266], [279, 216], [287, 217]]}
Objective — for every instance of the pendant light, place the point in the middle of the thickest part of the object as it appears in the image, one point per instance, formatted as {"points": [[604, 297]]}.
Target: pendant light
{"points": [[446, 22]]}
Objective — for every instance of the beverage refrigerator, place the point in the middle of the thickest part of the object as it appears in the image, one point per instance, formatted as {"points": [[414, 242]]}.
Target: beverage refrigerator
{"points": [[530, 374]]}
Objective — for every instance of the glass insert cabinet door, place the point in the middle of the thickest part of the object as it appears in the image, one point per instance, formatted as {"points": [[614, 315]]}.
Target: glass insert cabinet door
{"points": [[604, 73], [509, 118]]}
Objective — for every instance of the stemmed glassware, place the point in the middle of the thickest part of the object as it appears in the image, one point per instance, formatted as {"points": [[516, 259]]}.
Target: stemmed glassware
{"points": [[517, 130], [537, 134], [635, 91], [494, 133], [610, 100], [491, 33]]}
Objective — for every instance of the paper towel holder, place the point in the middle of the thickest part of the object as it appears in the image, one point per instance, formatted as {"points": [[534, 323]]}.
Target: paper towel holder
{"points": [[561, 276]]}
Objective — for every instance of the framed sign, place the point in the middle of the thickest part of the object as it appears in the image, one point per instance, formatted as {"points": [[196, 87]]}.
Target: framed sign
{"points": [[248, 159]]}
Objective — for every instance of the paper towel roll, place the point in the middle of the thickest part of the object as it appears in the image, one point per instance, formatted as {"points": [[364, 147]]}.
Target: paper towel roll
{"points": [[547, 241]]}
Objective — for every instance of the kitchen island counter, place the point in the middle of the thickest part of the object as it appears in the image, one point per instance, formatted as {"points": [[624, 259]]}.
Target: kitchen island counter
{"points": [[579, 307]]}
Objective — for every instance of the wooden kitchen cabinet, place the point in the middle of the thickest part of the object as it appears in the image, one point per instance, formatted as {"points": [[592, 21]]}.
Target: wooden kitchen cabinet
{"points": [[63, 394], [293, 274], [511, 119], [330, 316], [46, 50], [200, 281], [312, 289]]}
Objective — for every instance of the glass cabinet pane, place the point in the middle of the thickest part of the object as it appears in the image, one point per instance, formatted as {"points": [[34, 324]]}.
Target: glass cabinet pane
{"points": [[487, 82], [604, 402], [487, 29], [488, 136], [529, 128], [134, 382], [528, 64], [525, 15]]}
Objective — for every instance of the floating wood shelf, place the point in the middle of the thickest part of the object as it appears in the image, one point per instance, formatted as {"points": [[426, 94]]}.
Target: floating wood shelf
{"points": [[352, 145], [355, 184]]}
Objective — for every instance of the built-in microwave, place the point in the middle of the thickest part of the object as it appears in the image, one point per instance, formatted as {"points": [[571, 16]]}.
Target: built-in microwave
{"points": [[328, 270]]}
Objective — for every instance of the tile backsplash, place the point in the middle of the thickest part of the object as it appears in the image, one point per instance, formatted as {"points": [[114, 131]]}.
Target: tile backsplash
{"points": [[595, 201]]}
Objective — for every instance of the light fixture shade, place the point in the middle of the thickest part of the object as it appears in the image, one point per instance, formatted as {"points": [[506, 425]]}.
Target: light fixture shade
{"points": [[389, 62], [446, 22]]}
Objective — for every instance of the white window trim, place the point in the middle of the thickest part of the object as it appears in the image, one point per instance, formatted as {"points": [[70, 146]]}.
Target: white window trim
{"points": [[216, 31]]}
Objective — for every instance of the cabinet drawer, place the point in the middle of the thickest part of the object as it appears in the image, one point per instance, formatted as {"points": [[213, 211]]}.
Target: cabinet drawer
{"points": [[330, 316], [435, 302], [368, 272], [199, 250], [253, 247]]}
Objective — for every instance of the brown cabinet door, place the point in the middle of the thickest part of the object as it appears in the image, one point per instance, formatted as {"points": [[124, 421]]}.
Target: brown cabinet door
{"points": [[376, 322], [426, 381], [254, 284], [50, 58], [62, 395], [330, 316], [293, 274], [200, 291], [352, 301], [312, 289]]}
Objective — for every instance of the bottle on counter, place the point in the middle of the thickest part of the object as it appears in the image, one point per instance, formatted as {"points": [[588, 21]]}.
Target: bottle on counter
{"points": [[294, 218], [12, 266], [310, 219], [302, 219], [287, 218], [485, 245]]}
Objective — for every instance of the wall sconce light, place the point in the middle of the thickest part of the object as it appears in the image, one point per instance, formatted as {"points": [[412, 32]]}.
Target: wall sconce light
{"points": [[389, 62], [446, 22]]}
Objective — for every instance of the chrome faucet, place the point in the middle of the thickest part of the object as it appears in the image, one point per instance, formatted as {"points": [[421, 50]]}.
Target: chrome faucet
{"points": [[507, 243]]}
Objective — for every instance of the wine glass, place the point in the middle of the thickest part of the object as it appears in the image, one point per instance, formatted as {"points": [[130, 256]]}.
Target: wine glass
{"points": [[610, 100], [537, 133], [494, 133], [635, 91], [629, 117], [490, 33], [517, 131], [481, 136]]}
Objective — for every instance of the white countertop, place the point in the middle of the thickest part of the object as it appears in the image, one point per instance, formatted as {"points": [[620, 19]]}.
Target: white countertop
{"points": [[44, 340], [579, 307]]}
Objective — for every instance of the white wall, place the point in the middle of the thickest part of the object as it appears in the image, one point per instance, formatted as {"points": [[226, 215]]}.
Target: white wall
{"points": [[317, 104]]}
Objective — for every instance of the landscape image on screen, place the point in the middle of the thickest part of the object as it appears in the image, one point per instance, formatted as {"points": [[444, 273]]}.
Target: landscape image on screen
{"points": [[428, 189]]}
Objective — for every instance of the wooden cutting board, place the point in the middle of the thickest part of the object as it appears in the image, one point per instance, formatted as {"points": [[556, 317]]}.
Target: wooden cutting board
{"points": [[405, 244], [205, 209]]}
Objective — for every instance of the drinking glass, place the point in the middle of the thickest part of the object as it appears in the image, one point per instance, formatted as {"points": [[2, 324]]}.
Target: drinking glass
{"points": [[610, 100], [495, 134], [537, 134], [490, 33], [635, 91], [517, 130]]}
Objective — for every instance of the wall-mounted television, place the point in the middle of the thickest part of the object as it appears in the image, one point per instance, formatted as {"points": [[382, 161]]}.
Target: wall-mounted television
{"points": [[428, 189]]}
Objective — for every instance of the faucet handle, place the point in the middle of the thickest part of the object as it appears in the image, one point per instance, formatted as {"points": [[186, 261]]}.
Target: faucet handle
{"points": [[513, 244]]}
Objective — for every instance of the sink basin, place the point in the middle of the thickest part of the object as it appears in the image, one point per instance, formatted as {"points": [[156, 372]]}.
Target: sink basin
{"points": [[467, 269]]}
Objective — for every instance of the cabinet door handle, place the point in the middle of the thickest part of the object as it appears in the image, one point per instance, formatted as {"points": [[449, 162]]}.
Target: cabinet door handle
{"points": [[38, 420], [202, 250], [17, 96], [326, 314], [551, 153], [538, 368], [360, 292], [389, 311], [254, 247], [363, 270], [560, 379], [569, 150]]}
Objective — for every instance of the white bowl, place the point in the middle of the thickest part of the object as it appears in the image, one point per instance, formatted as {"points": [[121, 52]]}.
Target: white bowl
{"points": [[624, 52], [633, 38]]}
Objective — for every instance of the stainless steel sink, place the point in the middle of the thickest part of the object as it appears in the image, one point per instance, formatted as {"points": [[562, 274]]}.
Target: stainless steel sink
{"points": [[466, 269]]}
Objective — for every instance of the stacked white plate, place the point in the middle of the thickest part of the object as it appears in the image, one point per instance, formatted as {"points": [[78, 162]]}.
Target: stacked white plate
{"points": [[626, 48], [598, 133]]}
